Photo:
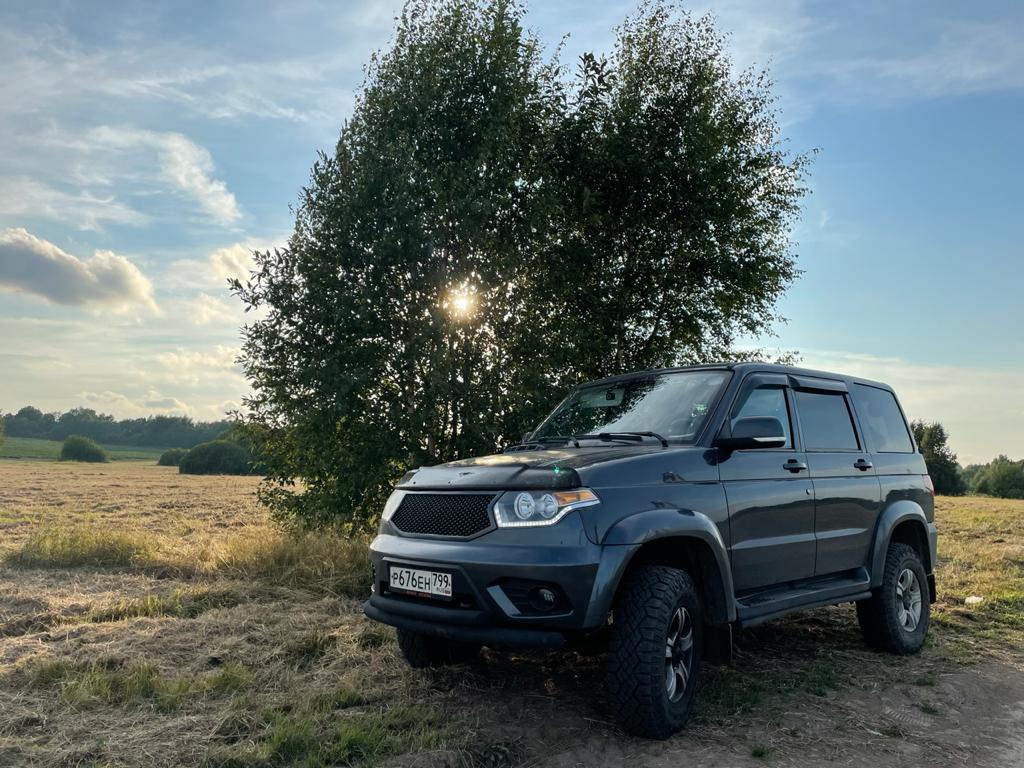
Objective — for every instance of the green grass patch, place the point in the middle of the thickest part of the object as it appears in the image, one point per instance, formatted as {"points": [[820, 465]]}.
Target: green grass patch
{"points": [[113, 683], [740, 690], [36, 448], [326, 732], [180, 605], [76, 546]]}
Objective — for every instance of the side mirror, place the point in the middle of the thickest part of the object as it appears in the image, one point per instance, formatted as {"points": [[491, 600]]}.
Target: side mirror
{"points": [[754, 432], [526, 437]]}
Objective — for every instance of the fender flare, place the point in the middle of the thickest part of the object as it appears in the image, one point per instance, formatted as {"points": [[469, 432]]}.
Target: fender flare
{"points": [[893, 515], [625, 539]]}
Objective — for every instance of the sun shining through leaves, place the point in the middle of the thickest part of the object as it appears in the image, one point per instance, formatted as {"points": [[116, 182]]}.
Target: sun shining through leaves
{"points": [[461, 302]]}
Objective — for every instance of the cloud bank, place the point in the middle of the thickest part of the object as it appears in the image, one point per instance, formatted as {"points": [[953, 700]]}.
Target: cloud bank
{"points": [[38, 267]]}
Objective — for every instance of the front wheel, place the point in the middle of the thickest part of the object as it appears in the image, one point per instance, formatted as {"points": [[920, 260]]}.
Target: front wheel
{"points": [[655, 653], [895, 617]]}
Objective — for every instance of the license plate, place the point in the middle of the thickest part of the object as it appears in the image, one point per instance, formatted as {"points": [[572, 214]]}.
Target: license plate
{"points": [[417, 582]]}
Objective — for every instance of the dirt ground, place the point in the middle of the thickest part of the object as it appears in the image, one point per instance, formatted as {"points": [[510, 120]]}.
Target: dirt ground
{"points": [[161, 656]]}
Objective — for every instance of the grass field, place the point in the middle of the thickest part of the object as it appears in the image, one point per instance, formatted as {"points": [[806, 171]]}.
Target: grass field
{"points": [[149, 618], [34, 448]]}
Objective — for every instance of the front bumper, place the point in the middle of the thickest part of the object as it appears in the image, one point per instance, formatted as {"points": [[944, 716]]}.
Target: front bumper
{"points": [[485, 608]]}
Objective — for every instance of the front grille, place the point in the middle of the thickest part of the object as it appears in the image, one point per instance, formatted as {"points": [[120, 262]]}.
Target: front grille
{"points": [[443, 514]]}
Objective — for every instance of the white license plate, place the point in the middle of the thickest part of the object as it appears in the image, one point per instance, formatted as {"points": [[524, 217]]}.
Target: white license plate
{"points": [[417, 582]]}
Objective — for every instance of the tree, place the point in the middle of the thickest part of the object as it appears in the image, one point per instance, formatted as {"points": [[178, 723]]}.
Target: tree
{"points": [[1001, 477], [487, 234], [931, 438], [217, 457]]}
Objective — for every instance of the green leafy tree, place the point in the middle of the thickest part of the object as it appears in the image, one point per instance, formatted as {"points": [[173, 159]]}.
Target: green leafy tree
{"points": [[79, 448], [488, 232], [932, 439], [1001, 477], [217, 457]]}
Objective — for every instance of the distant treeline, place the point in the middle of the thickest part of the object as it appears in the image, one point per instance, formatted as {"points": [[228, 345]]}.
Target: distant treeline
{"points": [[155, 431]]}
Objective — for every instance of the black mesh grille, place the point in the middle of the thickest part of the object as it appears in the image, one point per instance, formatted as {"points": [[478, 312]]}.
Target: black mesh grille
{"points": [[443, 514]]}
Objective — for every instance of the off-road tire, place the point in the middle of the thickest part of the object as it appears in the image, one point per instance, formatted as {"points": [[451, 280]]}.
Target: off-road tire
{"points": [[421, 651], [638, 697], [879, 616]]}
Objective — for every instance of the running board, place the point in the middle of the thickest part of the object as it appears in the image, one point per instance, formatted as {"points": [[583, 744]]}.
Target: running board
{"points": [[772, 603]]}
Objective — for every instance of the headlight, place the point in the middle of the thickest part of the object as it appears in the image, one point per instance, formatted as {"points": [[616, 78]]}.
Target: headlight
{"points": [[392, 504], [526, 509]]}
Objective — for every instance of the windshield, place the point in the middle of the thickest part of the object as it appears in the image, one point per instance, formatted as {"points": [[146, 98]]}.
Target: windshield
{"points": [[674, 405]]}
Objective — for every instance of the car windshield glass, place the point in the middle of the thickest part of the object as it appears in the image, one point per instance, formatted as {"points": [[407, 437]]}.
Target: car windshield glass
{"points": [[675, 405]]}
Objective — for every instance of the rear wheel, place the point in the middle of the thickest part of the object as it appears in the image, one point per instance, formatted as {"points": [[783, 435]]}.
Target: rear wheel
{"points": [[655, 653], [428, 651], [895, 617]]}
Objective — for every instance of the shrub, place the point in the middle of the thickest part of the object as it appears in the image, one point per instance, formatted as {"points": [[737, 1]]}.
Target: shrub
{"points": [[218, 457], [78, 448], [172, 458]]}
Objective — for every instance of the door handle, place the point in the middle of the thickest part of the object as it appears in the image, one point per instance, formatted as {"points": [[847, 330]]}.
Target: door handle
{"points": [[863, 465], [795, 466]]}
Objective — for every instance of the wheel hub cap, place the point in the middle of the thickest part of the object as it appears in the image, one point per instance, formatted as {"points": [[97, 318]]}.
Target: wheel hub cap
{"points": [[678, 654], [908, 600]]}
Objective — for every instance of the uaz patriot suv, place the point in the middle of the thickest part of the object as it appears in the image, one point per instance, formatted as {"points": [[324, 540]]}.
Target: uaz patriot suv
{"points": [[664, 508]]}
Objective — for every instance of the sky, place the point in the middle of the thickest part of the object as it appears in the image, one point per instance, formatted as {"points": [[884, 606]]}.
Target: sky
{"points": [[146, 149]]}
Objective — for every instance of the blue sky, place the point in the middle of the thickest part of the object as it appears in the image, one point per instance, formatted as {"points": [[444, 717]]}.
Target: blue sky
{"points": [[145, 149]]}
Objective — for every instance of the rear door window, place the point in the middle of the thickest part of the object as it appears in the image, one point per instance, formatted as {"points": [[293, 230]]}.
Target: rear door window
{"points": [[881, 419], [825, 422]]}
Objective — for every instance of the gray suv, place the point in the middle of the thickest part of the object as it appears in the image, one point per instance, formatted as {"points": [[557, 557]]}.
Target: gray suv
{"points": [[662, 509]]}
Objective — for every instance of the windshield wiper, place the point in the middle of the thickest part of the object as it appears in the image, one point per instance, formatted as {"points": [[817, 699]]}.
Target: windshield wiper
{"points": [[540, 442], [609, 436]]}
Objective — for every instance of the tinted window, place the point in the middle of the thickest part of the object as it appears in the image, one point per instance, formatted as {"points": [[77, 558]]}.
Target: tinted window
{"points": [[825, 422], [765, 401], [675, 405], [880, 417]]}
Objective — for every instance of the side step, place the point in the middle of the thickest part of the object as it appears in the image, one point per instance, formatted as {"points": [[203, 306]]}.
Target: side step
{"points": [[757, 607]]}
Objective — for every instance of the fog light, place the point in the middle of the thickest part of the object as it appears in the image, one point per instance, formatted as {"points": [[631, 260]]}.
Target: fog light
{"points": [[542, 599]]}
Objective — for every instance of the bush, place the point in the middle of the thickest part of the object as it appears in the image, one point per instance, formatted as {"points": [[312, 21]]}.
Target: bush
{"points": [[172, 458], [78, 448], [218, 457]]}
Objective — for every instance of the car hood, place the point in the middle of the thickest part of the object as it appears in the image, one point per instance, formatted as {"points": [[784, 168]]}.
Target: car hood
{"points": [[552, 469]]}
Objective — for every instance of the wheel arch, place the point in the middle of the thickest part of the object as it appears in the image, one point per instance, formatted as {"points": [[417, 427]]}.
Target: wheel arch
{"points": [[904, 522], [677, 538]]}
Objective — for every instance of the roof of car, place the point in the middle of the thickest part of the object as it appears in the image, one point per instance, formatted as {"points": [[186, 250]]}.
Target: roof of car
{"points": [[743, 368]]}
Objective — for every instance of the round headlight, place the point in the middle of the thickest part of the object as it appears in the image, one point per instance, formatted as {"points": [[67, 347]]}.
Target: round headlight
{"points": [[524, 506], [547, 507]]}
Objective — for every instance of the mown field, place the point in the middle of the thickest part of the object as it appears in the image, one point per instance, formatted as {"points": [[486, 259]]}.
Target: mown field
{"points": [[153, 619], [34, 448]]}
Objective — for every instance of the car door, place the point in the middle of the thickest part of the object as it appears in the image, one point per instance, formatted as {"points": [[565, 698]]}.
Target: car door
{"points": [[847, 496], [769, 493]]}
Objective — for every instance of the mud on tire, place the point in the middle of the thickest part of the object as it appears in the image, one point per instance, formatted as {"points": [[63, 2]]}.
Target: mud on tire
{"points": [[638, 674]]}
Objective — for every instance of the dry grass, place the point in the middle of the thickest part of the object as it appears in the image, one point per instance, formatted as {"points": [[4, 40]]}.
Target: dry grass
{"points": [[149, 618]]}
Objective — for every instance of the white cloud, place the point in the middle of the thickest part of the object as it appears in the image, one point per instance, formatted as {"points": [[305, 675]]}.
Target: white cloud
{"points": [[980, 407], [183, 164], [194, 366], [38, 267], [123, 406], [205, 309], [23, 197], [233, 261]]}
